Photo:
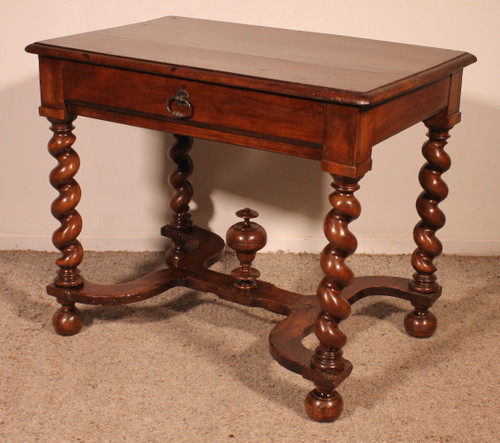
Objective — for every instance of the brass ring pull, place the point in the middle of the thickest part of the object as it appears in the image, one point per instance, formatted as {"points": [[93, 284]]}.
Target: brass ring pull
{"points": [[181, 99]]}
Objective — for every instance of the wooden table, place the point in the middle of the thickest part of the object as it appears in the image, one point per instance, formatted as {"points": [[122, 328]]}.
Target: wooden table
{"points": [[324, 97]]}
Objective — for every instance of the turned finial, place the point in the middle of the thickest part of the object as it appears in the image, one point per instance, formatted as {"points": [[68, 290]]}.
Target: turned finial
{"points": [[246, 238]]}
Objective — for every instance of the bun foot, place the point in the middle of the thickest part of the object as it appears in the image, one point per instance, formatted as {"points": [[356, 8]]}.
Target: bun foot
{"points": [[421, 323], [324, 407], [67, 320]]}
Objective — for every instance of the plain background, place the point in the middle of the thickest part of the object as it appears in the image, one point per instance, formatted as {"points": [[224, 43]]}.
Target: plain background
{"points": [[124, 170]]}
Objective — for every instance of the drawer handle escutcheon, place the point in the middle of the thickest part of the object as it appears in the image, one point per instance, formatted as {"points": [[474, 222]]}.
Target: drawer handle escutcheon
{"points": [[181, 99]]}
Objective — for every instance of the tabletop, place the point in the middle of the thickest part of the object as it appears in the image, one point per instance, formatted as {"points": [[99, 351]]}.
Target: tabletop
{"points": [[326, 67]]}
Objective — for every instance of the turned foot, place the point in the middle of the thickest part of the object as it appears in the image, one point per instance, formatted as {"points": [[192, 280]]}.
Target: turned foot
{"points": [[324, 407], [421, 323], [67, 320]]}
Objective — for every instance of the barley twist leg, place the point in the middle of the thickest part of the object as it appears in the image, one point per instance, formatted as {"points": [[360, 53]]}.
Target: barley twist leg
{"points": [[179, 203], [67, 320], [421, 322], [324, 403]]}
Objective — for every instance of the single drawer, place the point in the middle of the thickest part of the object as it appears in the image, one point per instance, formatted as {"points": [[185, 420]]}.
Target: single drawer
{"points": [[194, 103]]}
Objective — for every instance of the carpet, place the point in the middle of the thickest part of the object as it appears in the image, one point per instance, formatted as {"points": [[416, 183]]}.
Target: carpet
{"points": [[187, 367]]}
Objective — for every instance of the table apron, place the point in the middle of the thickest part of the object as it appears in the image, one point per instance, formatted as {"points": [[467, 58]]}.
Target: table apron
{"points": [[201, 109]]}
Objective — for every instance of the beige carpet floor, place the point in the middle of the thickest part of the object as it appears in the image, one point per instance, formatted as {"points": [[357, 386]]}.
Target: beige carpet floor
{"points": [[187, 367]]}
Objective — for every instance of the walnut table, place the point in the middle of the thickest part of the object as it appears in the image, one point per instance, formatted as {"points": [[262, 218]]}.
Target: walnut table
{"points": [[323, 97]]}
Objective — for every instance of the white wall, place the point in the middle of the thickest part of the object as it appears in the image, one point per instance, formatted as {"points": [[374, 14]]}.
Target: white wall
{"points": [[124, 170]]}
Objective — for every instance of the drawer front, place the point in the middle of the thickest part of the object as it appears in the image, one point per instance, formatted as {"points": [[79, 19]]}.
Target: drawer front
{"points": [[194, 103]]}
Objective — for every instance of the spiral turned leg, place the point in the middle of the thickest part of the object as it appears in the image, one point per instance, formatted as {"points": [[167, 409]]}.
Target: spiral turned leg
{"points": [[179, 203], [421, 322], [67, 320], [324, 403]]}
